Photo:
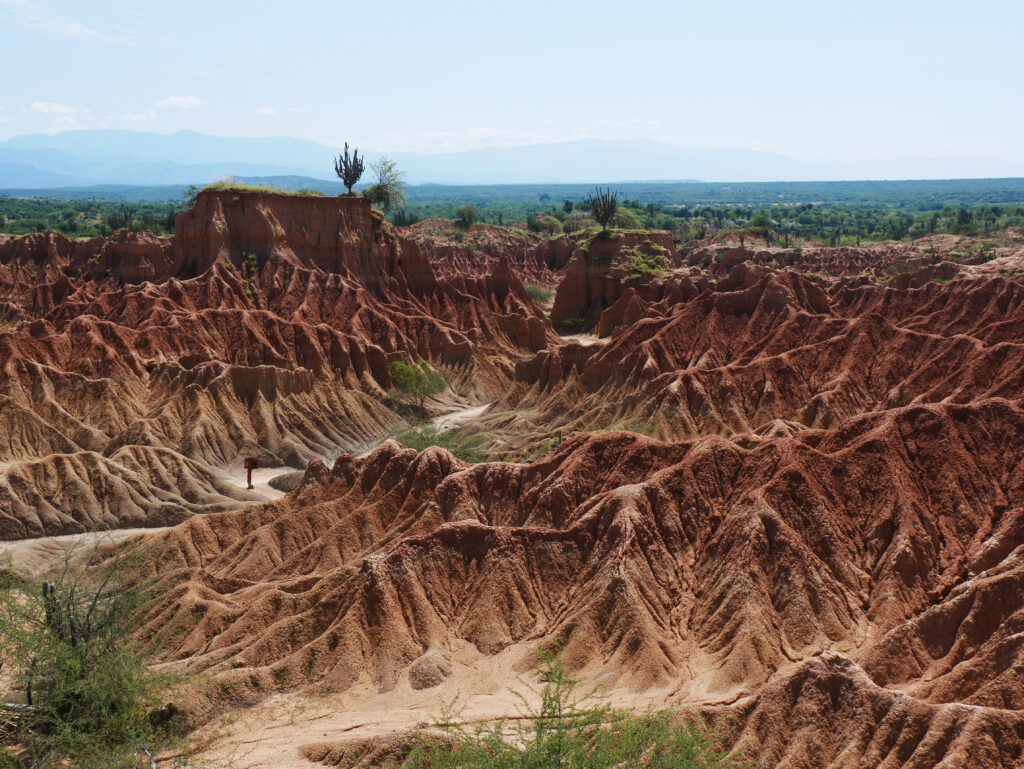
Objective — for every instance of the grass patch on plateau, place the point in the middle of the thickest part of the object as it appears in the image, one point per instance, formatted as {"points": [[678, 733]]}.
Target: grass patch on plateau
{"points": [[231, 186]]}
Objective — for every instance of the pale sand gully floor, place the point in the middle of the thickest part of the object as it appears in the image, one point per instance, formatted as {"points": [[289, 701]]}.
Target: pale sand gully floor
{"points": [[260, 480], [272, 734]]}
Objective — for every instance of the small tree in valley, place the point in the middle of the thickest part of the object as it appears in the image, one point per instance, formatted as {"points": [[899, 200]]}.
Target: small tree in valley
{"points": [[418, 380]]}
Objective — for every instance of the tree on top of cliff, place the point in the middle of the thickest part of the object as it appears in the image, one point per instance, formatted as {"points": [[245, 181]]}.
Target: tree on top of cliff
{"points": [[388, 192], [603, 205], [349, 169], [465, 216]]}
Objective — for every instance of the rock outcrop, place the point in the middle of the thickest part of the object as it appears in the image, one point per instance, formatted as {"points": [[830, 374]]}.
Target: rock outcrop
{"points": [[267, 330]]}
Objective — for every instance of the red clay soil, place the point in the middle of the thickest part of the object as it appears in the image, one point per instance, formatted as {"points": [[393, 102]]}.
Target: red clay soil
{"points": [[455, 250], [268, 332], [869, 576], [825, 557]]}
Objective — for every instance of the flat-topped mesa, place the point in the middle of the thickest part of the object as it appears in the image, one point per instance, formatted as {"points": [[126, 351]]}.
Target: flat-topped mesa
{"points": [[335, 234]]}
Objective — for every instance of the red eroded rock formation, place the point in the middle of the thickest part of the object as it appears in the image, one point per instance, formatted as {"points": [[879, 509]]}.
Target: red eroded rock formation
{"points": [[741, 355], [269, 332], [825, 556], [829, 574], [454, 250], [598, 275]]}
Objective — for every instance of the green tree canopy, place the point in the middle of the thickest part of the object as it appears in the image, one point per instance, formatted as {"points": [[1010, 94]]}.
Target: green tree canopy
{"points": [[465, 215], [418, 380], [388, 192]]}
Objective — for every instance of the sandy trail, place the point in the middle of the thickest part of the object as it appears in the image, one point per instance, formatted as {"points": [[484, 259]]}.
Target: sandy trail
{"points": [[584, 339], [458, 418], [36, 558], [260, 480], [271, 734]]}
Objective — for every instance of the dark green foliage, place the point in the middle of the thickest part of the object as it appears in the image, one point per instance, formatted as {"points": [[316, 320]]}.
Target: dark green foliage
{"points": [[625, 219], [122, 218], [349, 169], [760, 220], [568, 730], [603, 205], [418, 380], [539, 293], [848, 212], [404, 217], [465, 216], [423, 436], [251, 262]]}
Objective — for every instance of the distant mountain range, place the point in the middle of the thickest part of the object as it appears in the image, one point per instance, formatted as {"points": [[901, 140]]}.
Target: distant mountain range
{"points": [[86, 158]]}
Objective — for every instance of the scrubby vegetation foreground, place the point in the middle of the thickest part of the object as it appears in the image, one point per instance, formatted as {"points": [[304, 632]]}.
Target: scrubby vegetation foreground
{"points": [[77, 687], [558, 726], [81, 693]]}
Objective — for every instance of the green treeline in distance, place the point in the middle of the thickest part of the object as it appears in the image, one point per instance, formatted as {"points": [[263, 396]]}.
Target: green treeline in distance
{"points": [[843, 213]]}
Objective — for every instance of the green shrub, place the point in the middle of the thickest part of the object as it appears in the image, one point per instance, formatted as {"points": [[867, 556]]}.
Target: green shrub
{"points": [[642, 264], [568, 730], [540, 294], [625, 219], [251, 262], [418, 380], [88, 698], [465, 216], [573, 323], [423, 436]]}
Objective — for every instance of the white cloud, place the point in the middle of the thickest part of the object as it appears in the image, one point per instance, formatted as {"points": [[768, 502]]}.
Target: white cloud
{"points": [[266, 111], [50, 108], [38, 16], [180, 102], [140, 117], [64, 123], [296, 109]]}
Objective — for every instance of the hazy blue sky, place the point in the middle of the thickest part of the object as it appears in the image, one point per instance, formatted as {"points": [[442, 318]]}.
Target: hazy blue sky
{"points": [[821, 80]]}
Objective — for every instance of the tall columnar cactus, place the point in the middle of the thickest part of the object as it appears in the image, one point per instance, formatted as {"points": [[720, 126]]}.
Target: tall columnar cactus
{"points": [[59, 621], [603, 205], [349, 169]]}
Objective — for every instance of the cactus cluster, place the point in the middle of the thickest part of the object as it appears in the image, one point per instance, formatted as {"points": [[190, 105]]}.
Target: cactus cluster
{"points": [[61, 622], [603, 205]]}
